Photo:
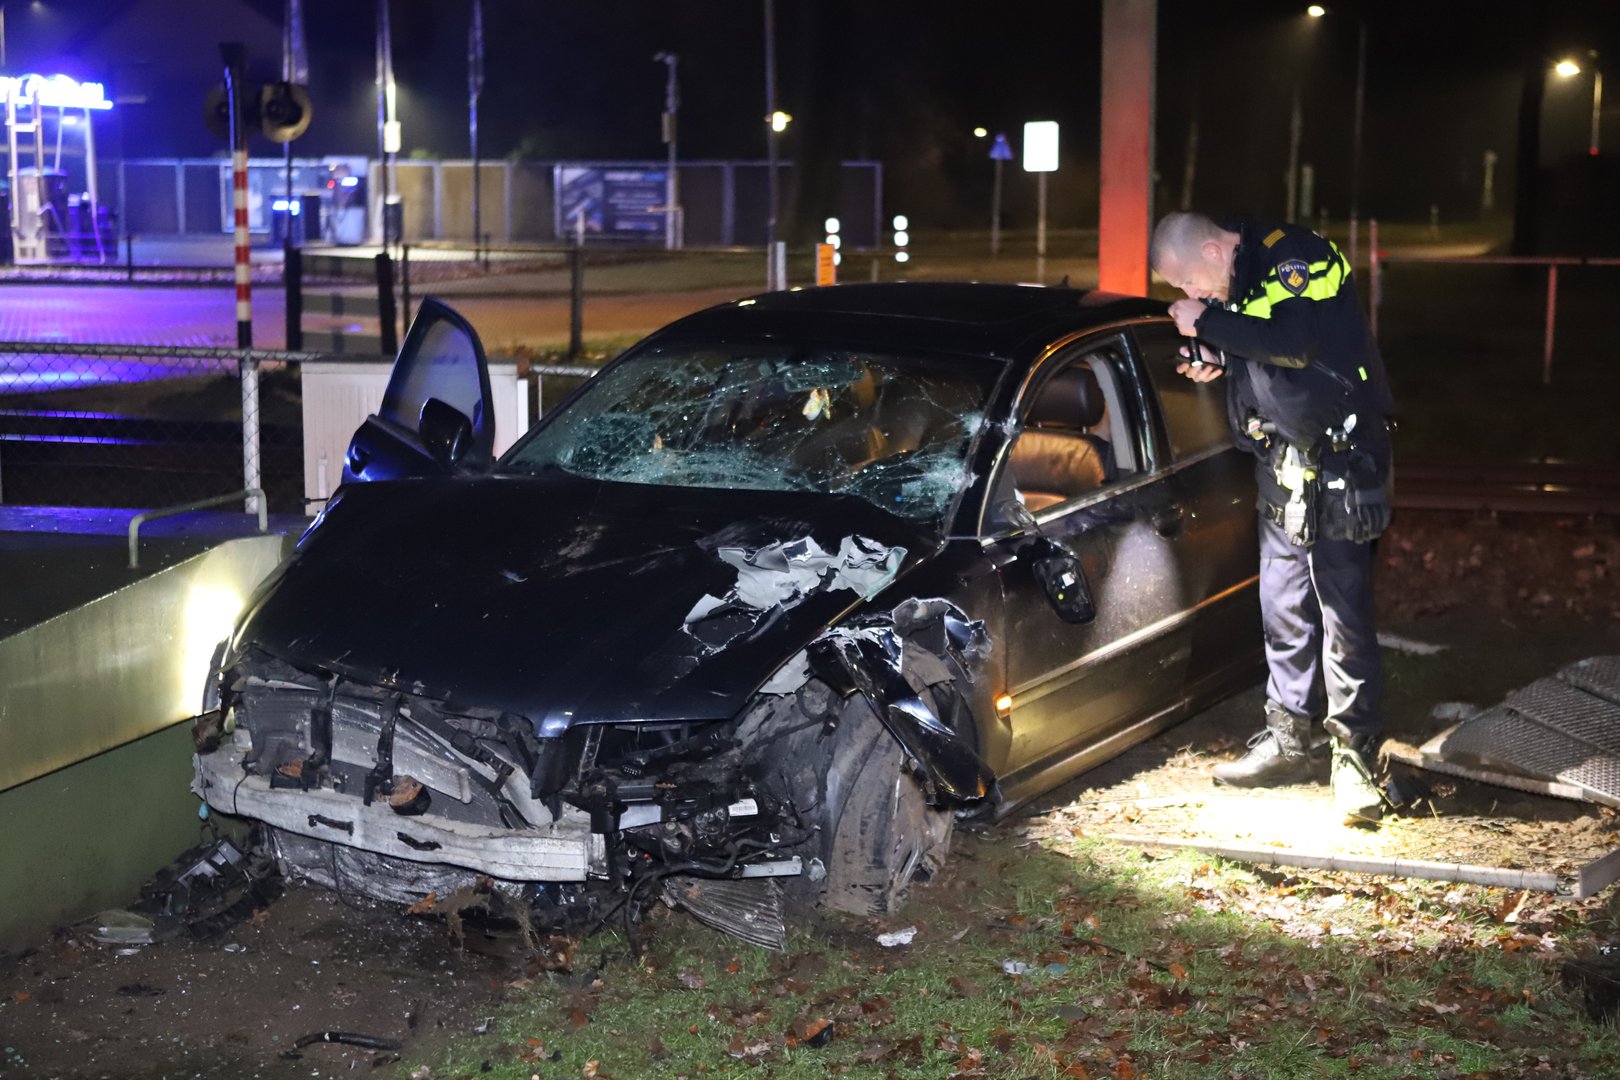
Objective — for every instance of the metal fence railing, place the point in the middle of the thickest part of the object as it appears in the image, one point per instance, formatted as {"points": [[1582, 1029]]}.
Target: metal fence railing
{"points": [[1381, 265], [141, 425]]}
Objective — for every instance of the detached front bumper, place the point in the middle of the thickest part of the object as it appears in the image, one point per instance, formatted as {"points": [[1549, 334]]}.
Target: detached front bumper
{"points": [[560, 851]]}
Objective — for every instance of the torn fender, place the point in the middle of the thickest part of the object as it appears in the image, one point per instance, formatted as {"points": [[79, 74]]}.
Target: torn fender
{"points": [[868, 660]]}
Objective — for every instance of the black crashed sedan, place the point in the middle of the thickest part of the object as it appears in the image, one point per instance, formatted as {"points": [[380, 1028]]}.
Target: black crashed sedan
{"points": [[752, 617]]}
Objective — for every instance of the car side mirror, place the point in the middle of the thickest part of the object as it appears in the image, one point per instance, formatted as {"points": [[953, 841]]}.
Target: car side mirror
{"points": [[446, 431], [1063, 580]]}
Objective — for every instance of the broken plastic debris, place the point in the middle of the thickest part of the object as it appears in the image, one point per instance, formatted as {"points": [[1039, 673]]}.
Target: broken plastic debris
{"points": [[1408, 646], [123, 928], [1452, 711], [780, 576], [235, 948], [897, 937], [1016, 967]]}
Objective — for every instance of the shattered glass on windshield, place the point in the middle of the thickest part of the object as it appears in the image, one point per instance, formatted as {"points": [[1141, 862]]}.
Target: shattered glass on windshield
{"points": [[893, 430]]}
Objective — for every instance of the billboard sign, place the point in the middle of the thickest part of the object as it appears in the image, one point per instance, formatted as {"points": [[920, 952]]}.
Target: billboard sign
{"points": [[615, 203]]}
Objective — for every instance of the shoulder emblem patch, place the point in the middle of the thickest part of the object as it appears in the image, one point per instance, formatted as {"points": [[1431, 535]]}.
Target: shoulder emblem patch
{"points": [[1294, 274], [1276, 235]]}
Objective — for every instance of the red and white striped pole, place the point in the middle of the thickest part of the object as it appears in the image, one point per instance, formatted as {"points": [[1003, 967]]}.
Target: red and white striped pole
{"points": [[235, 61], [244, 279], [235, 57]]}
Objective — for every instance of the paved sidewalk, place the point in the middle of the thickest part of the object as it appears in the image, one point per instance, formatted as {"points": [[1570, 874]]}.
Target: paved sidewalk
{"points": [[126, 314]]}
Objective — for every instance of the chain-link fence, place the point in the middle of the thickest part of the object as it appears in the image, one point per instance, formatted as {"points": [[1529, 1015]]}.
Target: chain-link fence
{"points": [[147, 426]]}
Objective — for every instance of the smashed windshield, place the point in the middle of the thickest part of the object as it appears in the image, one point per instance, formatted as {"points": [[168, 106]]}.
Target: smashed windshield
{"points": [[774, 416]]}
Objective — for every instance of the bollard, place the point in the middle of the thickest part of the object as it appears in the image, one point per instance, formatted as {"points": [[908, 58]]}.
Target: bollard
{"points": [[385, 304], [292, 280], [1552, 323], [129, 257], [405, 286]]}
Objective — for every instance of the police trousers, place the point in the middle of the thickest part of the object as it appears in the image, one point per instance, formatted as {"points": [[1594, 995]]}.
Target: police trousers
{"points": [[1317, 612]]}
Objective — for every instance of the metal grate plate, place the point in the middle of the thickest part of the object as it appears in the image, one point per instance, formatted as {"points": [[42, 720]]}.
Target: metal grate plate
{"points": [[1552, 729], [1562, 707], [1507, 741], [1598, 675]]}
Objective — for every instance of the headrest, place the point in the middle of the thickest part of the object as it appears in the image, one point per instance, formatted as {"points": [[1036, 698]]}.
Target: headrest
{"points": [[1071, 400]]}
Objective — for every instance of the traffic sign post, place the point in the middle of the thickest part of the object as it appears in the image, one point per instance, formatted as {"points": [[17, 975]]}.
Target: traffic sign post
{"points": [[1000, 153], [1040, 158]]}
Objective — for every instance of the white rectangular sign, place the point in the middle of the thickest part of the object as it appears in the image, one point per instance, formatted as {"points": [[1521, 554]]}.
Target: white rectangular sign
{"points": [[1041, 146]]}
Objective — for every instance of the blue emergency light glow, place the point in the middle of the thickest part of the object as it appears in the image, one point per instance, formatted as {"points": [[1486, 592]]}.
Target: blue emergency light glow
{"points": [[350, 181], [283, 204], [55, 91]]}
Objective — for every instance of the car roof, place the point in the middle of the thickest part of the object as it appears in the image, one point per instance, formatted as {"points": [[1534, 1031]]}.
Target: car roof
{"points": [[963, 317]]}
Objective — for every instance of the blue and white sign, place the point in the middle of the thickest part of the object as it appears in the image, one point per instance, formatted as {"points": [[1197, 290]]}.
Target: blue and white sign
{"points": [[1001, 149], [614, 202], [56, 92]]}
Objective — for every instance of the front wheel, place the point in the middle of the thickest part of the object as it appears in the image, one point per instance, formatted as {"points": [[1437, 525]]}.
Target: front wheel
{"points": [[879, 833]]}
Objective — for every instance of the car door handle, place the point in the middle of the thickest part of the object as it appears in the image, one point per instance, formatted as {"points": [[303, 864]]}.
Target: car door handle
{"points": [[1167, 522]]}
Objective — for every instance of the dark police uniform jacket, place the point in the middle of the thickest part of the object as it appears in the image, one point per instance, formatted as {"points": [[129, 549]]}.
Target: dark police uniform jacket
{"points": [[1293, 315]]}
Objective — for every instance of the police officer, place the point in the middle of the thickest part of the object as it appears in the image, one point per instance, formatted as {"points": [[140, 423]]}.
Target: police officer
{"points": [[1274, 310]]}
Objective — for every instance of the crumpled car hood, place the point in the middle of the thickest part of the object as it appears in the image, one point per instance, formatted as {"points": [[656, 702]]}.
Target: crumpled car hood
{"points": [[563, 599]]}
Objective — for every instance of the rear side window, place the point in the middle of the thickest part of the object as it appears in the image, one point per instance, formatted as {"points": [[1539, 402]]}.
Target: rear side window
{"points": [[1194, 413]]}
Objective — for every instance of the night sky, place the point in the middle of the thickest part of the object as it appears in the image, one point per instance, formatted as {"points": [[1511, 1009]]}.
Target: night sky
{"points": [[901, 82]]}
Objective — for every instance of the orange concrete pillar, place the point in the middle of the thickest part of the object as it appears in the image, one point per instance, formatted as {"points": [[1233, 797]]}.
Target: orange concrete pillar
{"points": [[1125, 219]]}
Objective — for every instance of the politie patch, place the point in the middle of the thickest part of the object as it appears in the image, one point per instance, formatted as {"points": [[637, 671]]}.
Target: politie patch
{"points": [[1294, 274]]}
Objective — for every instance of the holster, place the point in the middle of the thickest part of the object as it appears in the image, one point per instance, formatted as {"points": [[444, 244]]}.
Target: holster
{"points": [[1297, 473], [1355, 498]]}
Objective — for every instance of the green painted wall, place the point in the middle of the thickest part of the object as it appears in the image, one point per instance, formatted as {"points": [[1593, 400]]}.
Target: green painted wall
{"points": [[83, 838]]}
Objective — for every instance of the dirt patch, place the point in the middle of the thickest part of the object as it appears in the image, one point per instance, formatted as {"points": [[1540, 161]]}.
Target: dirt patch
{"points": [[1505, 600], [233, 1005]]}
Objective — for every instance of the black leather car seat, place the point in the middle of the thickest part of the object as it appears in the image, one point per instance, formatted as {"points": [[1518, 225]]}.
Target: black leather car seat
{"points": [[1059, 456]]}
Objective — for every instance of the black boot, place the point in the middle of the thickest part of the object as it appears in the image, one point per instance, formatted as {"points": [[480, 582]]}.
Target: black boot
{"points": [[1356, 794], [1278, 755]]}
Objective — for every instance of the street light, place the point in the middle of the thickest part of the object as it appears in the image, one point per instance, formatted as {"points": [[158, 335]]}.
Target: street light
{"points": [[1568, 69], [979, 132], [1317, 11], [772, 281], [779, 121], [672, 105]]}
